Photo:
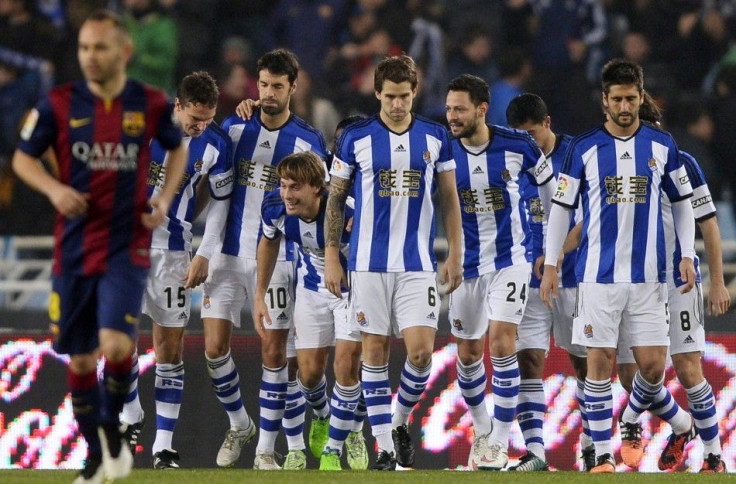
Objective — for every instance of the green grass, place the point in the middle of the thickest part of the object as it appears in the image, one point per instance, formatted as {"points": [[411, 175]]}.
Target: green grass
{"points": [[231, 476]]}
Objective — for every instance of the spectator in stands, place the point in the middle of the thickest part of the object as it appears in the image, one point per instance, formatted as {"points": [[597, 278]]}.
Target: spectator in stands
{"points": [[25, 30], [515, 68], [155, 43], [474, 56], [318, 111]]}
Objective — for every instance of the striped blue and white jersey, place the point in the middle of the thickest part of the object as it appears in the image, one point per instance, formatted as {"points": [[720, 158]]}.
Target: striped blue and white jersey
{"points": [[703, 208], [620, 184], [393, 179], [537, 219], [210, 155], [257, 151], [492, 185], [309, 237]]}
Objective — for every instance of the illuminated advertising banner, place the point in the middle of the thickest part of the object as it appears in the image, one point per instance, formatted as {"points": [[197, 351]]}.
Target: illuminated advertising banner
{"points": [[37, 428]]}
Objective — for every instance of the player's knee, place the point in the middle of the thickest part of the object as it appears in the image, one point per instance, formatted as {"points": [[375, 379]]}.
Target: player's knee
{"points": [[216, 349], [346, 372], [531, 363], [688, 369], [421, 357]]}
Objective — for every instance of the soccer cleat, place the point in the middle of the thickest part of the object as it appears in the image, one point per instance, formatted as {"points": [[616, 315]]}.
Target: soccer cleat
{"points": [[604, 464], [713, 464], [117, 460], [480, 453], [319, 435], [588, 456], [357, 451], [266, 461], [495, 458], [166, 459], [330, 460], [384, 462], [529, 463], [235, 439], [403, 445], [92, 473], [132, 432], [631, 449], [295, 460], [674, 451]]}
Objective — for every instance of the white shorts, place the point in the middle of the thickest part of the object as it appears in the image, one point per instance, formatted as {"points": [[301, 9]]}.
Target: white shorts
{"points": [[495, 296], [540, 322], [687, 328], [166, 301], [232, 279], [320, 318], [605, 310], [386, 303]]}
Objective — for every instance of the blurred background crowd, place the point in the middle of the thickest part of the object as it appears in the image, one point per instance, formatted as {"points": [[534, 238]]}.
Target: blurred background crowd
{"points": [[554, 48]]}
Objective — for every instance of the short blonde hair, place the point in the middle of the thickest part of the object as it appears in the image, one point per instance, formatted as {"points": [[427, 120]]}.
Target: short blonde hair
{"points": [[305, 167]]}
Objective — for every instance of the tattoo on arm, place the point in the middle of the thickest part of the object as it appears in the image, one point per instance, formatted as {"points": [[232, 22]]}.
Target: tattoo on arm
{"points": [[335, 211]]}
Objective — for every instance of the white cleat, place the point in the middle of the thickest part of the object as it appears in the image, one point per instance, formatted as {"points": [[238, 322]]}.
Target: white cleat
{"points": [[235, 439], [266, 461], [117, 460], [495, 458]]}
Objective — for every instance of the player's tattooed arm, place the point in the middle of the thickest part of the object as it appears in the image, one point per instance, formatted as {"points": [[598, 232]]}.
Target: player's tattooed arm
{"points": [[335, 211]]}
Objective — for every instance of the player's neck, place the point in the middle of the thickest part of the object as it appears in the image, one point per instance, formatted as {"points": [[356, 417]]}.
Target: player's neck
{"points": [[621, 131], [312, 211], [273, 121], [481, 136], [397, 127], [109, 89]]}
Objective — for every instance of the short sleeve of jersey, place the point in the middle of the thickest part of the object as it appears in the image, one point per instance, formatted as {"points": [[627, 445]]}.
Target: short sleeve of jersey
{"points": [[343, 164], [536, 164], [675, 183], [220, 173], [168, 133], [39, 129], [273, 213], [702, 201], [445, 161], [571, 174]]}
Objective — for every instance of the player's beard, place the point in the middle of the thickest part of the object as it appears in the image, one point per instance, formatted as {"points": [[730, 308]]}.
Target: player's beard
{"points": [[616, 118], [273, 110], [468, 130]]}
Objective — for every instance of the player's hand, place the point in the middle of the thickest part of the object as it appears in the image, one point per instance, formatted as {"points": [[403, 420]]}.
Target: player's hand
{"points": [[719, 299], [335, 278], [196, 272], [349, 225], [68, 201], [261, 316], [687, 273], [539, 266], [548, 286], [452, 273], [246, 108], [160, 208]]}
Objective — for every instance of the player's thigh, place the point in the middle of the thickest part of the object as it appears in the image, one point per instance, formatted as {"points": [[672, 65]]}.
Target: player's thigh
{"points": [[645, 316], [508, 292], [468, 315], [224, 289], [73, 314], [279, 296], [598, 314], [416, 301], [313, 321], [563, 309], [687, 322], [535, 327], [119, 296], [370, 298], [166, 301]]}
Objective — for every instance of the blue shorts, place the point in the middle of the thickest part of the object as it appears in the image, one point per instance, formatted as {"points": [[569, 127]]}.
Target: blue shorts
{"points": [[81, 305]]}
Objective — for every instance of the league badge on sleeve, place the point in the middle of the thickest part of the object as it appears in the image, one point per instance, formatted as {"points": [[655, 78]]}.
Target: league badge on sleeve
{"points": [[29, 125]]}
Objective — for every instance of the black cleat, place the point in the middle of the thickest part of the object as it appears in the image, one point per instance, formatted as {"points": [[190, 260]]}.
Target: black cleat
{"points": [[92, 473], [588, 456], [132, 432], [403, 445], [166, 459], [384, 462]]}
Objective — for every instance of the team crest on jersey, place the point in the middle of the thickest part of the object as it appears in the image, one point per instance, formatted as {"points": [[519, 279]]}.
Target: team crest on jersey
{"points": [[588, 331], [506, 176], [360, 318], [198, 165], [458, 324], [206, 302], [652, 164], [427, 156], [134, 122]]}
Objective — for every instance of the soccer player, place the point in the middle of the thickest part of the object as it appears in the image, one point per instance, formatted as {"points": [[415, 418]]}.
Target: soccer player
{"points": [[687, 337], [296, 211], [259, 144], [496, 167], [100, 129], [392, 160], [174, 273], [528, 112], [619, 171]]}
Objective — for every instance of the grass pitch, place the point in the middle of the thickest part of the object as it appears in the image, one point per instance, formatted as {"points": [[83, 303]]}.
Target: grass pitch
{"points": [[230, 476]]}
